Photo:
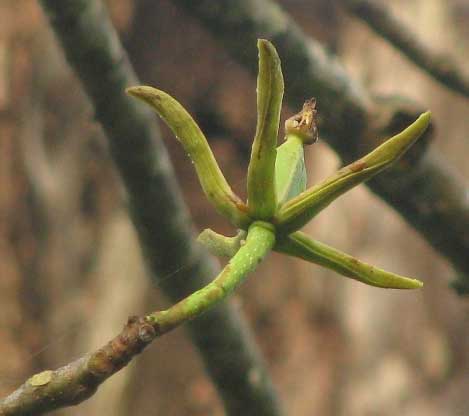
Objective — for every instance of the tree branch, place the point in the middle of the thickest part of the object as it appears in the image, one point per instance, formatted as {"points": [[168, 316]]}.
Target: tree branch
{"points": [[79, 380], [351, 120], [93, 50], [440, 67]]}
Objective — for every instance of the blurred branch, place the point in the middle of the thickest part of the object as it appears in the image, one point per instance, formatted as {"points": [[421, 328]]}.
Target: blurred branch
{"points": [[93, 50], [440, 66], [423, 190]]}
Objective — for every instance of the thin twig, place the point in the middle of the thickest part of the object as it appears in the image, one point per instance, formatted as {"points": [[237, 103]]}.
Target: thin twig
{"points": [[93, 50], [79, 380], [436, 204], [441, 67]]}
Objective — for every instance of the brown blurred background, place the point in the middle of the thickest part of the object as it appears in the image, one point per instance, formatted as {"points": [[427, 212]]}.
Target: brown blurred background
{"points": [[70, 266]]}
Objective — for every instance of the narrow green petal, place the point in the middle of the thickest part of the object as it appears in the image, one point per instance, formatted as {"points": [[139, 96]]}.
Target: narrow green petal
{"points": [[298, 211], [290, 172], [300, 245], [220, 245], [259, 241], [262, 201], [186, 130]]}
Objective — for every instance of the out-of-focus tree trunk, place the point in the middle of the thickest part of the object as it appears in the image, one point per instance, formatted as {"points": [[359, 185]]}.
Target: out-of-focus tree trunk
{"points": [[64, 234]]}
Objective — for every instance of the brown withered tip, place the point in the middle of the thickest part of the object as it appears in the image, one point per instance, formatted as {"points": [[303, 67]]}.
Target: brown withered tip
{"points": [[303, 124]]}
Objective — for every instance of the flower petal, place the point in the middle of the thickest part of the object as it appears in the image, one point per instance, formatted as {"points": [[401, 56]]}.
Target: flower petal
{"points": [[299, 211], [262, 201], [186, 130], [300, 245]]}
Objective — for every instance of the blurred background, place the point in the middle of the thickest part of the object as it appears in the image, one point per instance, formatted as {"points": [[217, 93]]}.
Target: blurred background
{"points": [[71, 270]]}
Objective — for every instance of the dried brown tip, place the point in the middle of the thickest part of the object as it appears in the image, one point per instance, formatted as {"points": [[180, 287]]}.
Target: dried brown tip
{"points": [[303, 124]]}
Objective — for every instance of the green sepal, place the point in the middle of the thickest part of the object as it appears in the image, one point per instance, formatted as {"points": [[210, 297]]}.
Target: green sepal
{"points": [[262, 201], [186, 130], [300, 245], [220, 245], [299, 211], [290, 172]]}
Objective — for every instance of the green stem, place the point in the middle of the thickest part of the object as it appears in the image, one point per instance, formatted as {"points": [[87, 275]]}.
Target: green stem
{"points": [[259, 241]]}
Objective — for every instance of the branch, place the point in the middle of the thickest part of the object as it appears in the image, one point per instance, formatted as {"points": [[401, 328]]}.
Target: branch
{"points": [[79, 380], [93, 50], [348, 117], [439, 66]]}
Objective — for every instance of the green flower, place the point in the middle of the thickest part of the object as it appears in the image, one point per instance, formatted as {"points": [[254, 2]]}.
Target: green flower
{"points": [[278, 204]]}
